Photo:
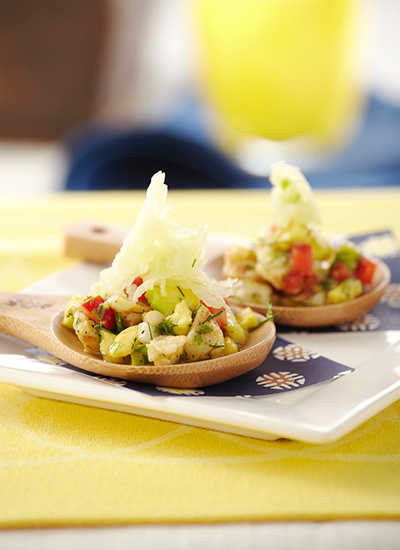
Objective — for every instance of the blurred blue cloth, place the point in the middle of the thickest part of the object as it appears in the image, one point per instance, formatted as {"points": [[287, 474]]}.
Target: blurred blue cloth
{"points": [[103, 158]]}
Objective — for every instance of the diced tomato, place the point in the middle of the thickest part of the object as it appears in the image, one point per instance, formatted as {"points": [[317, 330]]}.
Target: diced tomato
{"points": [[221, 318], [108, 318], [293, 282], [138, 281], [93, 304], [301, 257], [104, 316], [340, 272], [365, 270], [296, 282], [301, 276]]}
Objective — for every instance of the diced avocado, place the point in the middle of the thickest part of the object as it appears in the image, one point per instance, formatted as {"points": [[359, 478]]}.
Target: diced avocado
{"points": [[68, 319], [230, 346], [233, 329], [347, 290], [247, 318], [322, 250], [139, 356], [106, 339], [181, 319], [349, 255], [124, 343], [166, 302]]}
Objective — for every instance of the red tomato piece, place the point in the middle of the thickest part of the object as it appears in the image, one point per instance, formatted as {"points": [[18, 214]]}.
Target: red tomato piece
{"points": [[103, 316], [365, 270], [293, 282], [340, 272], [309, 281], [301, 277], [302, 261], [93, 303], [108, 318], [296, 282]]}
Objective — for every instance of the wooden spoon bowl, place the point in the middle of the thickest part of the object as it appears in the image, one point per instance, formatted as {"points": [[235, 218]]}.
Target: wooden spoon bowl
{"points": [[317, 316], [38, 320]]}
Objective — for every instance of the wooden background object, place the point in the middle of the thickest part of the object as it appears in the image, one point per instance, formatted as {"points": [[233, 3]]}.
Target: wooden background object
{"points": [[93, 241]]}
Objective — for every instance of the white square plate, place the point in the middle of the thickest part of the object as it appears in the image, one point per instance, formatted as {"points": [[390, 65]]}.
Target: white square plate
{"points": [[317, 414]]}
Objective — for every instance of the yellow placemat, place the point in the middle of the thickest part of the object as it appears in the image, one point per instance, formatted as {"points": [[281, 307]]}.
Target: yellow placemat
{"points": [[66, 464]]}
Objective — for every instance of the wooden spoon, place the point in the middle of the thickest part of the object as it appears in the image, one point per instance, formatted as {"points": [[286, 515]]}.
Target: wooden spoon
{"points": [[38, 320], [317, 316]]}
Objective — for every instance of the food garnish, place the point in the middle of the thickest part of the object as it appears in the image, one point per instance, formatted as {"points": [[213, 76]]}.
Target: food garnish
{"points": [[292, 263]]}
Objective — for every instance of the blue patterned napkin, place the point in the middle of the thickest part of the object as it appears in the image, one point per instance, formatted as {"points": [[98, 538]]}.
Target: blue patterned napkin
{"points": [[288, 367]]}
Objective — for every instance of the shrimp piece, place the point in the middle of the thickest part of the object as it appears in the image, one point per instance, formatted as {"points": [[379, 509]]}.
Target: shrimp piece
{"points": [[239, 262], [85, 331], [205, 339]]}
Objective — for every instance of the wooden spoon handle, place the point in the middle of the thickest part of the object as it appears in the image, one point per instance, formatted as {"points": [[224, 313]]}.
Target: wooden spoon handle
{"points": [[29, 317], [94, 241]]}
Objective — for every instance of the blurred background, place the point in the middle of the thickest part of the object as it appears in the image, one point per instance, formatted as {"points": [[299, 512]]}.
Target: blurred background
{"points": [[97, 94]]}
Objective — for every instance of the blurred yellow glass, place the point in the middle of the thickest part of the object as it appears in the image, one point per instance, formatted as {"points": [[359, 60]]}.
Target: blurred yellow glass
{"points": [[280, 69]]}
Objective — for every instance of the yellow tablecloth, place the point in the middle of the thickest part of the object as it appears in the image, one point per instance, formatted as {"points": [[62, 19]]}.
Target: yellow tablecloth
{"points": [[66, 464]]}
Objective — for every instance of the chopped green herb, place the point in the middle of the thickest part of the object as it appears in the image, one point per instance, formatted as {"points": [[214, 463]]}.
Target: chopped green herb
{"points": [[210, 317], [114, 346], [269, 317], [204, 329], [180, 290], [119, 322], [166, 327]]}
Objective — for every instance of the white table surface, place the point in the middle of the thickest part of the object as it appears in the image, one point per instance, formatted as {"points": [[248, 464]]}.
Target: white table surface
{"points": [[346, 535]]}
